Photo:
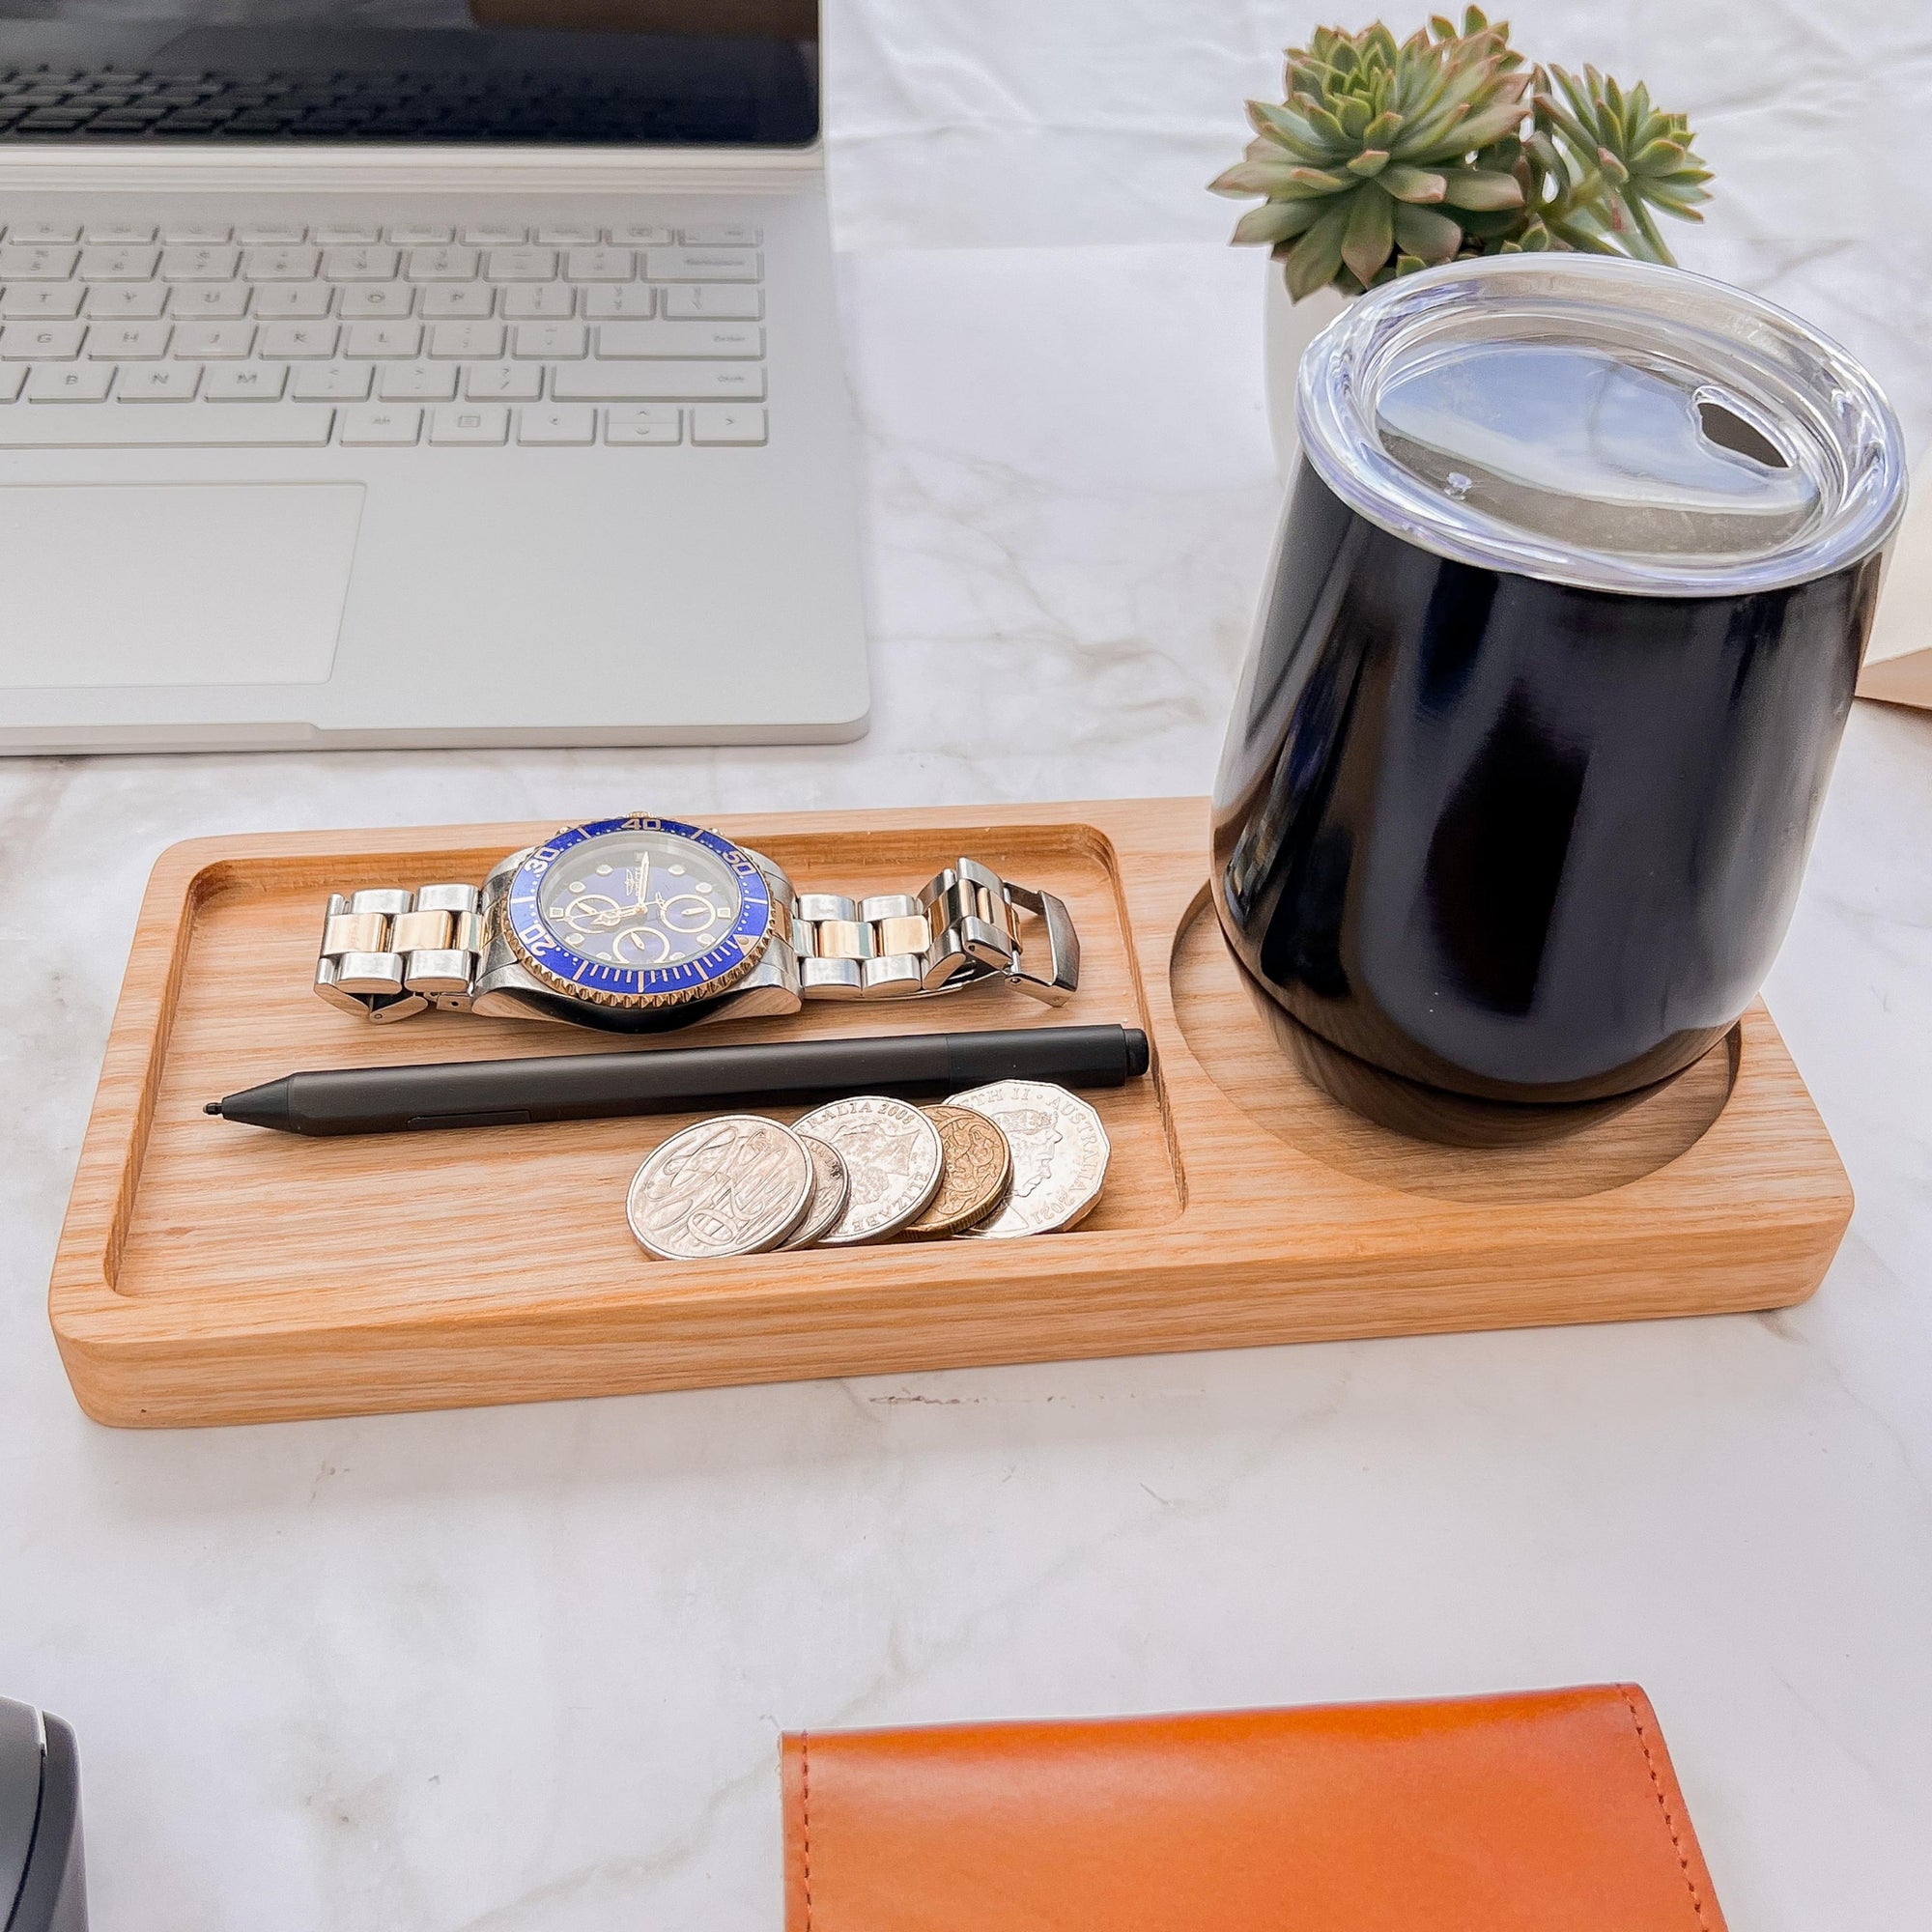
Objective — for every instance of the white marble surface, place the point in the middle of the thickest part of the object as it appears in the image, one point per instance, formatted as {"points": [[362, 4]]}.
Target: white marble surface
{"points": [[524, 1669]]}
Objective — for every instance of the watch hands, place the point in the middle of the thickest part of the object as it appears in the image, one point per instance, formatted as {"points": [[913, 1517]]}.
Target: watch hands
{"points": [[604, 921], [643, 884]]}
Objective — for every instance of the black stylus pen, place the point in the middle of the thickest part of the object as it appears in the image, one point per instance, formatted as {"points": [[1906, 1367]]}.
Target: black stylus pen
{"points": [[588, 1086]]}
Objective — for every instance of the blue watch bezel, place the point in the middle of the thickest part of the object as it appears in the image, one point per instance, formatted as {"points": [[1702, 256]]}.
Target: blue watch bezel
{"points": [[724, 961]]}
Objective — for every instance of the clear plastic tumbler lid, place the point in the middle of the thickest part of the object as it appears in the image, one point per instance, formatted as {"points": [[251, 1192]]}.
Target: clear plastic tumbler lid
{"points": [[1603, 423]]}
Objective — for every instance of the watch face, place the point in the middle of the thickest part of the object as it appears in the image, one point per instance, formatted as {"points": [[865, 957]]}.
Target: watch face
{"points": [[643, 909], [641, 898]]}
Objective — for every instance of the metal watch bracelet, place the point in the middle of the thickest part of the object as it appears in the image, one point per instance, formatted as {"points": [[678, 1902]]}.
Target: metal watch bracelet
{"points": [[390, 953]]}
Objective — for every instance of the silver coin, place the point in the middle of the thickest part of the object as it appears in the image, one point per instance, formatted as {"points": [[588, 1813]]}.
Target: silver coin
{"points": [[892, 1158], [830, 1186], [736, 1185], [1060, 1156]]}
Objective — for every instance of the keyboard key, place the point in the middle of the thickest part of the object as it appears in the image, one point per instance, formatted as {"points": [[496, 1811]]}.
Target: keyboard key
{"points": [[384, 338], [335, 234], [70, 383], [361, 264], [37, 262], [643, 424], [219, 301], [128, 301], [412, 235], [485, 234], [187, 232], [457, 300], [42, 341], [656, 383], [379, 425], [161, 383], [541, 301], [281, 263], [643, 238], [198, 426], [295, 301], [12, 376], [300, 341], [519, 264], [30, 232], [245, 383], [727, 422], [708, 298], [560, 235], [418, 383], [269, 233], [631, 302], [333, 383], [702, 264], [467, 341], [127, 341], [205, 341], [716, 341], [48, 298], [469, 425], [118, 265], [721, 235], [117, 232], [502, 382], [599, 264], [441, 265], [377, 298], [549, 341], [208, 262]]}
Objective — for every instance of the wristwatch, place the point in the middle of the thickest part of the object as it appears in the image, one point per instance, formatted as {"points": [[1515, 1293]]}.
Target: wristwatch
{"points": [[639, 924]]}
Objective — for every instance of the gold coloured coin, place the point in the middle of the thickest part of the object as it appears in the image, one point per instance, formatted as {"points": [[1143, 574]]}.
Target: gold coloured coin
{"points": [[829, 1187], [974, 1181]]}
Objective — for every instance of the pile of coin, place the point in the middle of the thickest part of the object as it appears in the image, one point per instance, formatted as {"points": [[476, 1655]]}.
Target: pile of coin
{"points": [[1019, 1157]]}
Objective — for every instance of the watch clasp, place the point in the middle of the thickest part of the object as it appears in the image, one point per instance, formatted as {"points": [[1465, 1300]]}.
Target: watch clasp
{"points": [[1051, 971]]}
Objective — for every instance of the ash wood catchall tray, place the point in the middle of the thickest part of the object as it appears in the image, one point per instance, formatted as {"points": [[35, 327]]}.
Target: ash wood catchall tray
{"points": [[213, 1274]]}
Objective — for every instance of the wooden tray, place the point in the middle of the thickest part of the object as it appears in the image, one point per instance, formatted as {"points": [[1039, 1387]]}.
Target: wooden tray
{"points": [[212, 1273]]}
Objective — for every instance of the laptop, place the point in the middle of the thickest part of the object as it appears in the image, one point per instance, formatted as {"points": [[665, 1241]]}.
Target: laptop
{"points": [[381, 372]]}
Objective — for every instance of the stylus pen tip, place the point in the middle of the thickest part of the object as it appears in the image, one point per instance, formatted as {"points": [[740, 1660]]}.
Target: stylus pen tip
{"points": [[212, 1107]]}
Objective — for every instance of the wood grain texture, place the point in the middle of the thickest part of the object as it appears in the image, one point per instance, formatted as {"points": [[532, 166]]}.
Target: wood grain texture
{"points": [[1253, 1052], [212, 1273]]}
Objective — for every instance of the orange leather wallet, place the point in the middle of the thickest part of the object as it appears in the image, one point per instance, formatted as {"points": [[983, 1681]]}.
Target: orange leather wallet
{"points": [[1551, 1811]]}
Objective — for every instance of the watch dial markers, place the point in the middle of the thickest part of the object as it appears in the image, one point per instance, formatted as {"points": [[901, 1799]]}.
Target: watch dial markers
{"points": [[651, 899]]}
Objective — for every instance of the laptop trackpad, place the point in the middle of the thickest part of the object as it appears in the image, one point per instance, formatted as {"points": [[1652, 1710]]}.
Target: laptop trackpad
{"points": [[174, 583]]}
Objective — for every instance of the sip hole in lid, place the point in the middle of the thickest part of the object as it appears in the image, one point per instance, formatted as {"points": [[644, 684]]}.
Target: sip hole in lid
{"points": [[1725, 422]]}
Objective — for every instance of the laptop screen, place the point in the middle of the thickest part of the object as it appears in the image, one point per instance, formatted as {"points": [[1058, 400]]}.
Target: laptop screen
{"points": [[535, 72]]}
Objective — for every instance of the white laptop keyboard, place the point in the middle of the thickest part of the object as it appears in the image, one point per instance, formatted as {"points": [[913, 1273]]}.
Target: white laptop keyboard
{"points": [[123, 336]]}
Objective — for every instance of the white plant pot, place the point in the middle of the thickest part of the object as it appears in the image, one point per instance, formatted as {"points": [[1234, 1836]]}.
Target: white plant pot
{"points": [[1288, 329]]}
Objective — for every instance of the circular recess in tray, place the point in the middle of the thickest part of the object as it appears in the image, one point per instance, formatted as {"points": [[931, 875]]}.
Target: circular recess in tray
{"points": [[1354, 1117]]}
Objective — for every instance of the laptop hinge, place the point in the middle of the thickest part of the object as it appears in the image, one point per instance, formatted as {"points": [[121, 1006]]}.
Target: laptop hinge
{"points": [[414, 170]]}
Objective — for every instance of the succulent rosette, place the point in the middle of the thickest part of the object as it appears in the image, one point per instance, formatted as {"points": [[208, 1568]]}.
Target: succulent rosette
{"points": [[1385, 158]]}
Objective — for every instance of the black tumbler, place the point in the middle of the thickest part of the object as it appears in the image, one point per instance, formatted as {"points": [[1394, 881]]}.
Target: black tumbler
{"points": [[1560, 638]]}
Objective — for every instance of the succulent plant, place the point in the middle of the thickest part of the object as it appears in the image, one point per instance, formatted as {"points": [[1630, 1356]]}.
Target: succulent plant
{"points": [[1602, 160], [1384, 158]]}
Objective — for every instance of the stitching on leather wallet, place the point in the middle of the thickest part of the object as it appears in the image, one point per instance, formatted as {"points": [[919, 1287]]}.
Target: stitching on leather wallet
{"points": [[1664, 1806], [804, 1817]]}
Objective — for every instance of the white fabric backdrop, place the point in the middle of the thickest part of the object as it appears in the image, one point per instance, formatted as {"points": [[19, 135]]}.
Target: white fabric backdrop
{"points": [[986, 123]]}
